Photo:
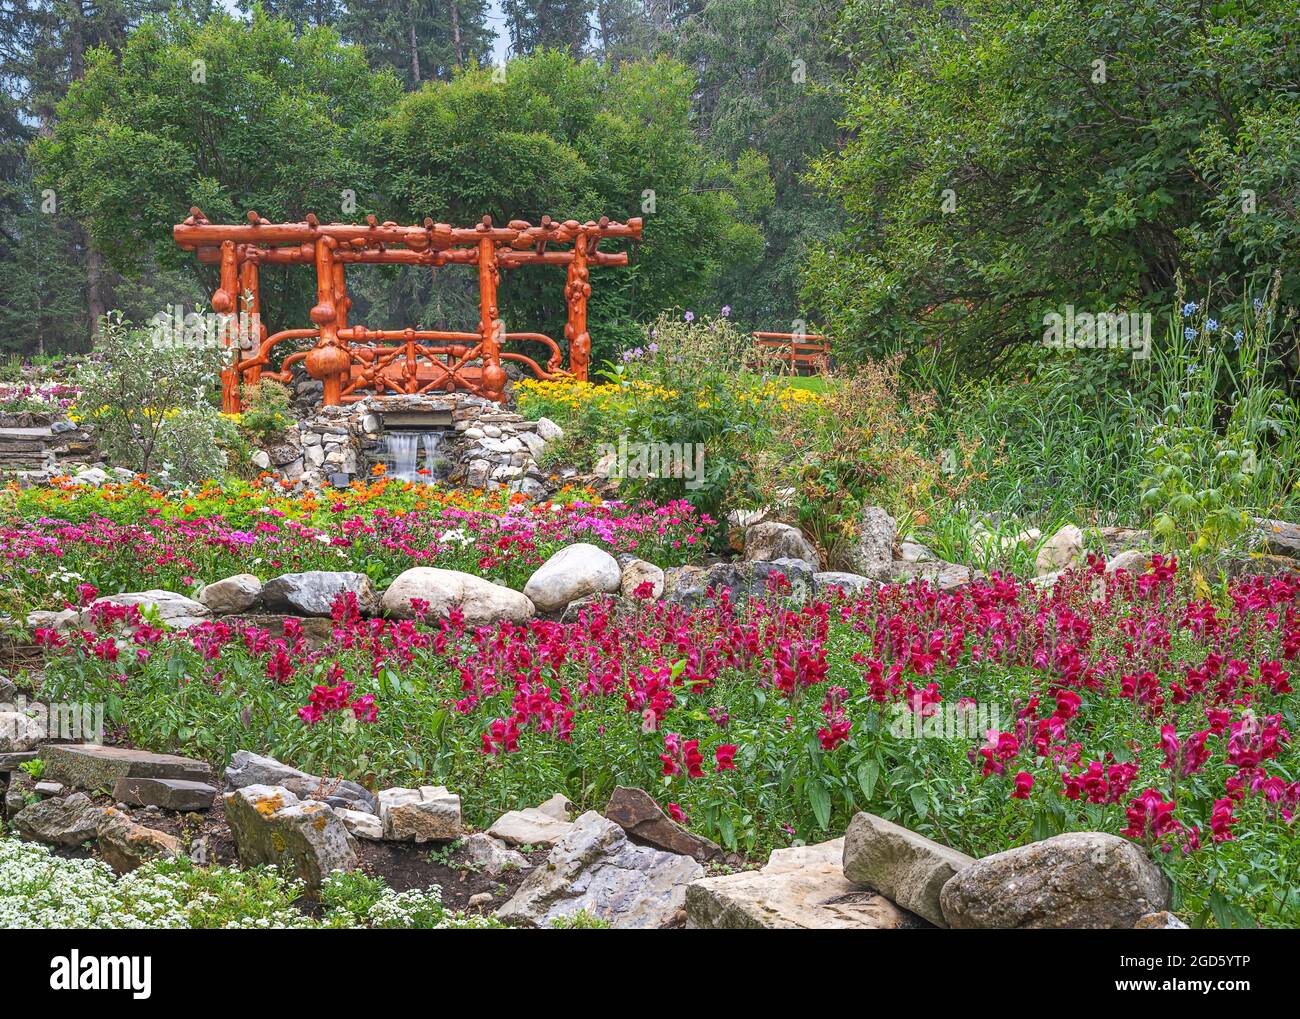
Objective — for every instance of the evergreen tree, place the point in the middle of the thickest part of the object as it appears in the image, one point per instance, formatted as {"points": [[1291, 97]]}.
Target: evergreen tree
{"points": [[548, 24]]}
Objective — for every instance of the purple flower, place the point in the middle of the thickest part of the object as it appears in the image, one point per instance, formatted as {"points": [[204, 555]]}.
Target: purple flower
{"points": [[689, 316], [726, 311]]}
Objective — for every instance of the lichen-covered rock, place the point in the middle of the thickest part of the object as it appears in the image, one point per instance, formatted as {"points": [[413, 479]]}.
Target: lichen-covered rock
{"points": [[96, 767], [125, 845], [271, 825], [1079, 879], [246, 768], [597, 869], [573, 572], [908, 869], [1162, 921], [482, 602], [313, 593]]}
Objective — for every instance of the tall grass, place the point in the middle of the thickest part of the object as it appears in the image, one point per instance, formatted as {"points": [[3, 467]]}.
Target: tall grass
{"points": [[1194, 439]]}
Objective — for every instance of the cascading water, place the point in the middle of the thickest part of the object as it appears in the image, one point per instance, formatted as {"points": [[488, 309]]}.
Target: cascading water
{"points": [[407, 452]]}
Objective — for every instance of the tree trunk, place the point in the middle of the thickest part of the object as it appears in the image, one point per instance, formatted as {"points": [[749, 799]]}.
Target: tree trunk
{"points": [[96, 305], [415, 52], [455, 33]]}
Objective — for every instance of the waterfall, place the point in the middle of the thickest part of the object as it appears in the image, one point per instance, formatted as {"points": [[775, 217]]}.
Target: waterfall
{"points": [[407, 451]]}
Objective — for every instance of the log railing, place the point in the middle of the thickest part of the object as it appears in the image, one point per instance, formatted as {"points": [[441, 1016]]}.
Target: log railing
{"points": [[352, 360]]}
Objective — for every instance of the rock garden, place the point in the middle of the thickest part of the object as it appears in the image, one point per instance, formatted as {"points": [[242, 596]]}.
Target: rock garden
{"points": [[724, 465]]}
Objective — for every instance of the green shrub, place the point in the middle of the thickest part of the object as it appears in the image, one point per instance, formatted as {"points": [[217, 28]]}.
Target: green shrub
{"points": [[152, 404]]}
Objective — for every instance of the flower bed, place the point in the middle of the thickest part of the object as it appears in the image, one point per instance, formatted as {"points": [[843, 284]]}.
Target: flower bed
{"points": [[987, 717], [146, 540], [41, 890]]}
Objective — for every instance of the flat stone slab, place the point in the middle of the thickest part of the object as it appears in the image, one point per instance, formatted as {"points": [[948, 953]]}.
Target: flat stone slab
{"points": [[802, 888], [169, 793], [91, 766], [11, 762], [908, 869], [531, 826]]}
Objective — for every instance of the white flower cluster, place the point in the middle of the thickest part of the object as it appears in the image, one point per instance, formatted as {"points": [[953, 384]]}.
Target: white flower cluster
{"points": [[41, 890], [422, 909]]}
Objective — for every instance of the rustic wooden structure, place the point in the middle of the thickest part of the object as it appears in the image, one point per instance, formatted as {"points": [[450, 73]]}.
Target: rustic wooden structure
{"points": [[800, 351], [352, 360]]}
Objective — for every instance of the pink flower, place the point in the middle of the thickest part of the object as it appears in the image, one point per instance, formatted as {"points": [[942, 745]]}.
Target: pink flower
{"points": [[1024, 783]]}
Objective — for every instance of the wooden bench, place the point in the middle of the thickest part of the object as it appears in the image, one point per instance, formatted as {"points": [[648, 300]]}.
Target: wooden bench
{"points": [[803, 352]]}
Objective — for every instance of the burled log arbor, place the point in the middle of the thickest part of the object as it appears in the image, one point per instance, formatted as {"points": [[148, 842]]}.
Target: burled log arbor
{"points": [[353, 360]]}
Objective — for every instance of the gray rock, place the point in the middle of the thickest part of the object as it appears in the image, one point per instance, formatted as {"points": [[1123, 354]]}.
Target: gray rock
{"points": [[490, 856], [482, 602], [427, 814], [361, 824], [1280, 537], [12, 762], [1133, 560], [693, 585], [94, 767], [801, 888], [543, 825], [596, 868], [849, 583], [573, 572], [548, 430], [234, 594], [906, 868], [772, 540], [19, 732], [21, 786], [872, 552], [939, 574], [306, 840], [70, 821], [313, 593], [246, 769], [176, 610], [170, 793], [1079, 879]]}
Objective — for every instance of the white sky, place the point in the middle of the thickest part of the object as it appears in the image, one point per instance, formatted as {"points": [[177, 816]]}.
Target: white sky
{"points": [[495, 18]]}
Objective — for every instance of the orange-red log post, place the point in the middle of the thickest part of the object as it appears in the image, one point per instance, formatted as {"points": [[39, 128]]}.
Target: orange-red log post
{"points": [[494, 376], [577, 288], [328, 360]]}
